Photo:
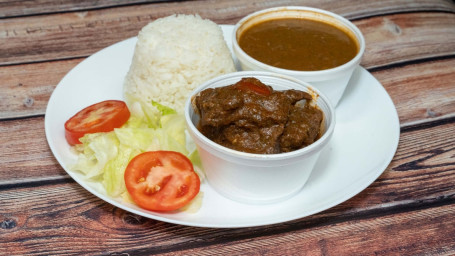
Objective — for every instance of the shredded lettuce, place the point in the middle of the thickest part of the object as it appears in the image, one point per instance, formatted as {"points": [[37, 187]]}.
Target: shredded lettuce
{"points": [[114, 170], [174, 137], [104, 156], [164, 110], [95, 151], [143, 139]]}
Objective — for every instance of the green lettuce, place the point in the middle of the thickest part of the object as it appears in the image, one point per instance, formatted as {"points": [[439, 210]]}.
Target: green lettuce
{"points": [[104, 156], [164, 110], [95, 151], [114, 171]]}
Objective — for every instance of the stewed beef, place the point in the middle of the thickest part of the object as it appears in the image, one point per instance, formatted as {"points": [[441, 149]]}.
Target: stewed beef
{"points": [[250, 116]]}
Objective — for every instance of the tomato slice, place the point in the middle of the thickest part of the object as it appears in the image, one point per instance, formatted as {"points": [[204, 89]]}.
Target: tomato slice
{"points": [[161, 180], [254, 85], [100, 117]]}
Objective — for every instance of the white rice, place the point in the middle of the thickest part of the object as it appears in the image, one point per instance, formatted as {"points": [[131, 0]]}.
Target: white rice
{"points": [[173, 56]]}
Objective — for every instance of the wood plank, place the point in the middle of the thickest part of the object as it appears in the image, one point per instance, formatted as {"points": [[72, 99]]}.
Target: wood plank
{"points": [[421, 92], [423, 160], [407, 211], [75, 222], [402, 38], [25, 154], [409, 233], [351, 9], [79, 34], [421, 174], [26, 89], [404, 87], [15, 152], [18, 8]]}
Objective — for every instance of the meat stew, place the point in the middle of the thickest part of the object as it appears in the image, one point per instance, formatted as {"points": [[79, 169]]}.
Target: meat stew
{"points": [[250, 116]]}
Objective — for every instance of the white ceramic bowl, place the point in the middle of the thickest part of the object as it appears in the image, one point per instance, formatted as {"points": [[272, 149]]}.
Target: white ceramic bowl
{"points": [[331, 82], [258, 178]]}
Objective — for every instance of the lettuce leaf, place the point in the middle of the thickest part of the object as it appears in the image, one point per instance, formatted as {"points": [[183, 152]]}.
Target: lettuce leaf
{"points": [[95, 151], [103, 157], [164, 110], [114, 171], [174, 137], [142, 139]]}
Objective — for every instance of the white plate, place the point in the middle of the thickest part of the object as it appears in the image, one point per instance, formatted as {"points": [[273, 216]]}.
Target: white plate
{"points": [[364, 142]]}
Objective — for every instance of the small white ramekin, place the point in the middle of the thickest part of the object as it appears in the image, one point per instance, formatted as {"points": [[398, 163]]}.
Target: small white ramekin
{"points": [[258, 178], [332, 82]]}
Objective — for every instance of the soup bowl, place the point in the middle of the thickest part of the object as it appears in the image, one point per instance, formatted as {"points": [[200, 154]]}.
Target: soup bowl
{"points": [[332, 81], [259, 178]]}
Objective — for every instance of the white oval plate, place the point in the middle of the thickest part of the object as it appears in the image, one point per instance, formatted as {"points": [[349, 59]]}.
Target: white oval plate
{"points": [[364, 142]]}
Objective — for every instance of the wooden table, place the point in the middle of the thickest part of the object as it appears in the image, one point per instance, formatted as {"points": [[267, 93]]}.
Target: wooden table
{"points": [[408, 210]]}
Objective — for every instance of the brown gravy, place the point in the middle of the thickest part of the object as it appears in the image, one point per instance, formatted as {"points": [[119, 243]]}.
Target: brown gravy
{"points": [[298, 44]]}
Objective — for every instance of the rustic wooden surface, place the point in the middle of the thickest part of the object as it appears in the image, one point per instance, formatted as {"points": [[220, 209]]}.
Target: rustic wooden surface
{"points": [[408, 210]]}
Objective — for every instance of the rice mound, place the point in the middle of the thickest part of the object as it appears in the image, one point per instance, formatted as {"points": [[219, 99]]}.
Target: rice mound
{"points": [[174, 55]]}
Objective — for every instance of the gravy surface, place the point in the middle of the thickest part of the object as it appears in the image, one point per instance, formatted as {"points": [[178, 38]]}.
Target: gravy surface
{"points": [[298, 44]]}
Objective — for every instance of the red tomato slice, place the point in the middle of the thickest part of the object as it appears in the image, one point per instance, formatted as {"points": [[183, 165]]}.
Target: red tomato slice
{"points": [[247, 85], [161, 180], [100, 117]]}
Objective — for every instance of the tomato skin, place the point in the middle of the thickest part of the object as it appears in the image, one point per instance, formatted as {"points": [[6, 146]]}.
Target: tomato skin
{"points": [[253, 86], [161, 180], [103, 116]]}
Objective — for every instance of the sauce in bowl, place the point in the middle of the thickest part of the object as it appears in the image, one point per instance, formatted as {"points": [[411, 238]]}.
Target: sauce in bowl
{"points": [[298, 44]]}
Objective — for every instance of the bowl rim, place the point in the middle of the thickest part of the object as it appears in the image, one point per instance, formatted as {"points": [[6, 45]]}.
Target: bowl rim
{"points": [[329, 114], [354, 61]]}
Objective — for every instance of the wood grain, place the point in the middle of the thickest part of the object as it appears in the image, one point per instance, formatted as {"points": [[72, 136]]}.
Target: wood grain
{"points": [[25, 155], [378, 235], [423, 160], [416, 89], [421, 92], [79, 34], [17, 8], [408, 210], [73, 221], [406, 84], [26, 88], [405, 38]]}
